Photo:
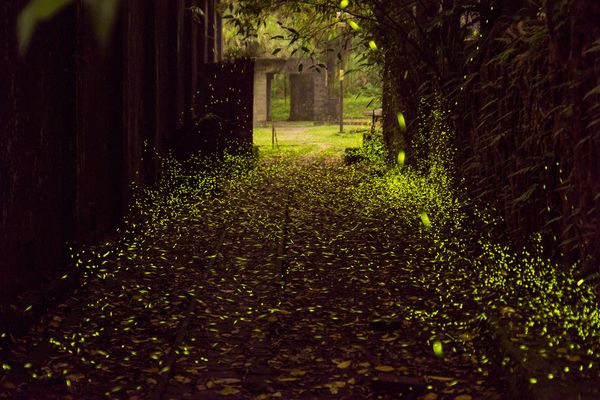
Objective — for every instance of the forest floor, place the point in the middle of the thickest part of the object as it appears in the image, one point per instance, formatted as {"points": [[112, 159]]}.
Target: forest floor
{"points": [[293, 280]]}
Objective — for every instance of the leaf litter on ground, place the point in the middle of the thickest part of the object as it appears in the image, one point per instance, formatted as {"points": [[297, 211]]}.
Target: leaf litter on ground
{"points": [[353, 256]]}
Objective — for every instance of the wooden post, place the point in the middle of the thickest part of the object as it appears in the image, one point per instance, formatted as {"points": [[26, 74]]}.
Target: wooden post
{"points": [[341, 99], [274, 136]]}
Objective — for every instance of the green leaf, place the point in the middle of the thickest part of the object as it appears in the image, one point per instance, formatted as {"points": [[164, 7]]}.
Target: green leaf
{"points": [[344, 4], [34, 13], [103, 14], [373, 45], [353, 25], [595, 90], [527, 195]]}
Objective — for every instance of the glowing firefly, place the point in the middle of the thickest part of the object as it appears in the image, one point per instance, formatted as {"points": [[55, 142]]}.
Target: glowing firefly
{"points": [[401, 121]]}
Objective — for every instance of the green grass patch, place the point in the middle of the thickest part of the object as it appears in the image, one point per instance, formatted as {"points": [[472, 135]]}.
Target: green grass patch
{"points": [[324, 140], [280, 109], [354, 107]]}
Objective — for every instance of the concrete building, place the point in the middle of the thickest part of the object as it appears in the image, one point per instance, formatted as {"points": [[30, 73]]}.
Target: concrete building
{"points": [[309, 100]]}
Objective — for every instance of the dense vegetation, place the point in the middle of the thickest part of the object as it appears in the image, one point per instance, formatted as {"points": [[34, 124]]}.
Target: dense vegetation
{"points": [[517, 83], [368, 248], [484, 219]]}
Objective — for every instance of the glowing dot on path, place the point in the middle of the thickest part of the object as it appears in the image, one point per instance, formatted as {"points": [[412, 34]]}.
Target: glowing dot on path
{"points": [[437, 348], [425, 220]]}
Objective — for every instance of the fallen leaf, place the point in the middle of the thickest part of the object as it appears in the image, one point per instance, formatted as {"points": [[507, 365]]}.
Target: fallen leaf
{"points": [[334, 387], [182, 379], [465, 337], [507, 311], [287, 379], [297, 372], [388, 338], [463, 397], [384, 368], [228, 390], [76, 377], [226, 381], [440, 378], [431, 396], [573, 358], [343, 364]]}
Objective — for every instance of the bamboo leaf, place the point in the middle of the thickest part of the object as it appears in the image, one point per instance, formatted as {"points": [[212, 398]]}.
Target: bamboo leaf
{"points": [[35, 12], [103, 14], [527, 195], [595, 90]]}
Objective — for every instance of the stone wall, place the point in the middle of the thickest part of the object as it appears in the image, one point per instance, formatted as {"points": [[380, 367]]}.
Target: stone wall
{"points": [[260, 95], [308, 90]]}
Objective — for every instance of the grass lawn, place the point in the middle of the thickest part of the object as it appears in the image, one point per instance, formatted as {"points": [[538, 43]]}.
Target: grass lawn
{"points": [[354, 107], [322, 141]]}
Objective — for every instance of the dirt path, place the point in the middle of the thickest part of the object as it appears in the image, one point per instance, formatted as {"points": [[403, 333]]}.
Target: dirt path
{"points": [[285, 286]]}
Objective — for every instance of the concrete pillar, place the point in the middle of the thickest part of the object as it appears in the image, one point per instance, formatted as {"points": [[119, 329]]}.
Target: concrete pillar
{"points": [[260, 96], [302, 97]]}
